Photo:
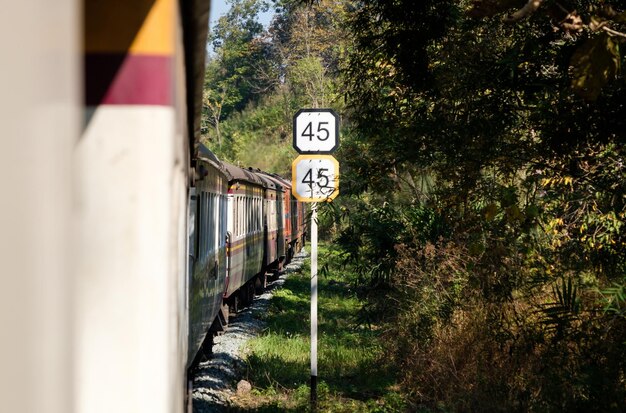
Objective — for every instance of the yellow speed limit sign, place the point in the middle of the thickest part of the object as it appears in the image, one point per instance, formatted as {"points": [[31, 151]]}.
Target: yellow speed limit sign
{"points": [[315, 178]]}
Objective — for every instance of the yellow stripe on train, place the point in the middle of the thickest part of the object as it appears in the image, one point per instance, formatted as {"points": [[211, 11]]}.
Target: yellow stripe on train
{"points": [[122, 26], [255, 238]]}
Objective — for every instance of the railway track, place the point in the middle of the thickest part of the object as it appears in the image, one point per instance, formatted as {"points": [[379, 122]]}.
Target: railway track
{"points": [[215, 380]]}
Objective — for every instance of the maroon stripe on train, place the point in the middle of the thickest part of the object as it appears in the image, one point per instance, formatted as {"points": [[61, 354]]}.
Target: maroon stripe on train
{"points": [[128, 79]]}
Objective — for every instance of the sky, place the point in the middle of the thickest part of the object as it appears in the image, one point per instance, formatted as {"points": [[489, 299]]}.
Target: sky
{"points": [[219, 8]]}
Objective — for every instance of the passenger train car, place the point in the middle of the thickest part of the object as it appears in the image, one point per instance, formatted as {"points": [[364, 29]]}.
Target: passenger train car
{"points": [[124, 242], [292, 220], [237, 238], [207, 224]]}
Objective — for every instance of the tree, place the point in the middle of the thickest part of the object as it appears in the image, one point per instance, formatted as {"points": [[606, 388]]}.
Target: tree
{"points": [[307, 43], [514, 112], [230, 74]]}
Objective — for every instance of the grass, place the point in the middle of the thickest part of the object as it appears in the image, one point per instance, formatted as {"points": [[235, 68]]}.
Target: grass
{"points": [[353, 374]]}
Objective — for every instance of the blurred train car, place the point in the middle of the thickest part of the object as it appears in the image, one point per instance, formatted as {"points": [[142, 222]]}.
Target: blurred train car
{"points": [[143, 68], [123, 238], [40, 110]]}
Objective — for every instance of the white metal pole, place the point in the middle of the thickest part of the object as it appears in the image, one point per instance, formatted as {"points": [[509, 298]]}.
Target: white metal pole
{"points": [[314, 306]]}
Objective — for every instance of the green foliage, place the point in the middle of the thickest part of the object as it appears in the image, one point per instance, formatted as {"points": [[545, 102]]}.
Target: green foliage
{"points": [[515, 114], [258, 80], [593, 64], [352, 369], [231, 80], [483, 193], [370, 234], [259, 137], [614, 298]]}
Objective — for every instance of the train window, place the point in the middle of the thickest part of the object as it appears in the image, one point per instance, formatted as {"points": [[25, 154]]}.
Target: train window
{"points": [[207, 211], [201, 220], [208, 222], [272, 216], [249, 215], [213, 220], [211, 229], [234, 218], [193, 214], [224, 218], [220, 221], [237, 215], [262, 212], [279, 210], [256, 215], [203, 227], [253, 214], [196, 224], [214, 213], [240, 216]]}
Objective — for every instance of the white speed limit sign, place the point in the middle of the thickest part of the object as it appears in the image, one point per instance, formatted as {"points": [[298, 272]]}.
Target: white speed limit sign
{"points": [[315, 131], [315, 178]]}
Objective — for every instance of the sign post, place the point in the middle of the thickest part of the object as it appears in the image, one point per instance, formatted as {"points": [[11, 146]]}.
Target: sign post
{"points": [[315, 178], [314, 307]]}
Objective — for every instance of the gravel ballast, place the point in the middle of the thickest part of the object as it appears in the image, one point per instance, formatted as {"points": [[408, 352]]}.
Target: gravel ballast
{"points": [[215, 381]]}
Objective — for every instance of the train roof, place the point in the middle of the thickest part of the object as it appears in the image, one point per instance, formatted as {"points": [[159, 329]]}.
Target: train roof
{"points": [[236, 173], [267, 182], [205, 153], [195, 23], [284, 181], [279, 181], [252, 175]]}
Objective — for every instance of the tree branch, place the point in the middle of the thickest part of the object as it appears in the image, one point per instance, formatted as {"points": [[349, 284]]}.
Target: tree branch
{"points": [[525, 11], [614, 32]]}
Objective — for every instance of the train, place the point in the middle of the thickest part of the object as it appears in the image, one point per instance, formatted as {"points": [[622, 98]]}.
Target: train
{"points": [[244, 226], [125, 244]]}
